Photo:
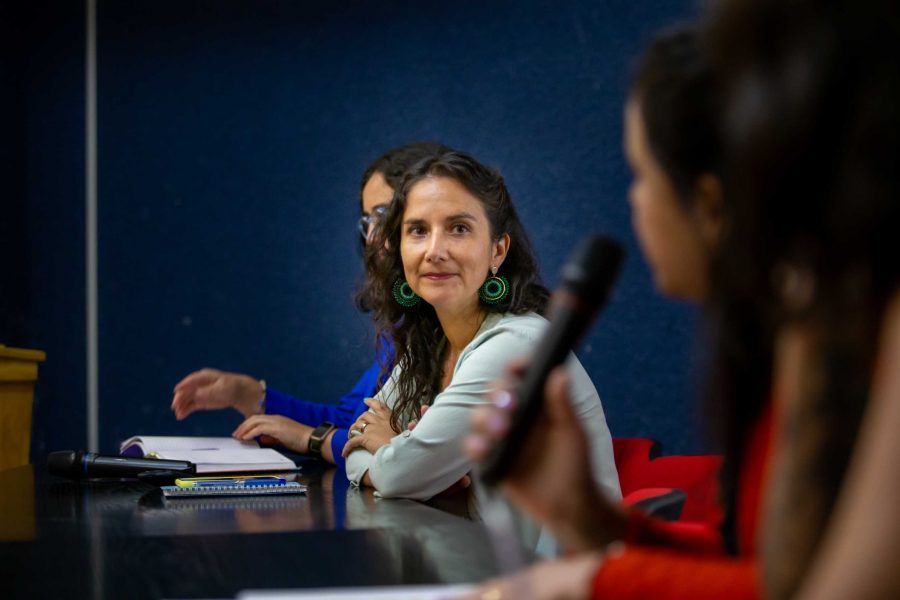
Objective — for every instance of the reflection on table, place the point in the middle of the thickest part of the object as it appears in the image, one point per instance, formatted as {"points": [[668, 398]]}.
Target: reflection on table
{"points": [[60, 538]]}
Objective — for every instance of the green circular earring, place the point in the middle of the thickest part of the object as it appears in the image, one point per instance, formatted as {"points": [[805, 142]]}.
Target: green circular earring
{"points": [[404, 295], [494, 290]]}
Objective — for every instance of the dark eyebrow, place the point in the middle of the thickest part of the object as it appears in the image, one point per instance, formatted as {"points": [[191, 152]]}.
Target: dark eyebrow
{"points": [[463, 216]]}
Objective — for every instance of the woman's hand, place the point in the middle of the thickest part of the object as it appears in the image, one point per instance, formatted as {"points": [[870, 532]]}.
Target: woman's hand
{"points": [[209, 389], [374, 427], [565, 579], [552, 478], [275, 429]]}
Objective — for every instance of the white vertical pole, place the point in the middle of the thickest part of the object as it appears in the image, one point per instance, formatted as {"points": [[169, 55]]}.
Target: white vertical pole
{"points": [[90, 84]]}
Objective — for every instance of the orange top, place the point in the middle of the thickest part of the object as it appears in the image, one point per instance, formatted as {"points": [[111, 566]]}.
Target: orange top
{"points": [[685, 560]]}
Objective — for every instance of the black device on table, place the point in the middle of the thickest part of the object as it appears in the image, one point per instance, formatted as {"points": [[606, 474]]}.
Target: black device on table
{"points": [[77, 464]]}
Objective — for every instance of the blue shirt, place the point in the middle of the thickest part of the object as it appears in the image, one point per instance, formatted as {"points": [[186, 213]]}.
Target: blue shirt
{"points": [[345, 412]]}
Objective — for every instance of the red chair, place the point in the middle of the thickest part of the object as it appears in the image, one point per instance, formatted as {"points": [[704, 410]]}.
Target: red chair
{"points": [[644, 475], [663, 503], [631, 456]]}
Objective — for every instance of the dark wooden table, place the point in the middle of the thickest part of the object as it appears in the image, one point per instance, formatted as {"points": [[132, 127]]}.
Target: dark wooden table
{"points": [[121, 539]]}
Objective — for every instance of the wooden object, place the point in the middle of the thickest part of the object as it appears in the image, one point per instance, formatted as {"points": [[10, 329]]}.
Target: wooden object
{"points": [[17, 505], [18, 372]]}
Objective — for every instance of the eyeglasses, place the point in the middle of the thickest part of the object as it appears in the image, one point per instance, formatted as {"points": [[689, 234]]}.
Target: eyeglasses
{"points": [[367, 220]]}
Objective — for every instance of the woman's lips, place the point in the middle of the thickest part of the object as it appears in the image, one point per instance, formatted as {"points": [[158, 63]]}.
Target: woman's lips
{"points": [[437, 276]]}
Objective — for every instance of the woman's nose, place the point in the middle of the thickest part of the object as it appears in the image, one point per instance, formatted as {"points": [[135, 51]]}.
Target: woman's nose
{"points": [[437, 248]]}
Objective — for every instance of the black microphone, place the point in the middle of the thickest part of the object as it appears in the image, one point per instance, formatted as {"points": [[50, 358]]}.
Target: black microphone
{"points": [[586, 281], [76, 464]]}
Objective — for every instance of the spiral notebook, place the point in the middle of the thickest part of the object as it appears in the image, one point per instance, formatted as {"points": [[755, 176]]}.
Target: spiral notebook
{"points": [[291, 487]]}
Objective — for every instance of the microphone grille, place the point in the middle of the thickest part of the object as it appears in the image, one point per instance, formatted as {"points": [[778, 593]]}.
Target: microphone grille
{"points": [[593, 268], [66, 463]]}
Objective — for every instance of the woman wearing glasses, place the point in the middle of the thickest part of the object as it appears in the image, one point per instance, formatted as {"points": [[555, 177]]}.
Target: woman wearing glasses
{"points": [[299, 425]]}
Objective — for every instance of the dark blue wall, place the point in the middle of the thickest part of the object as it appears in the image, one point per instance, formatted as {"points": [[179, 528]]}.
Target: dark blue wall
{"points": [[43, 208], [232, 136]]}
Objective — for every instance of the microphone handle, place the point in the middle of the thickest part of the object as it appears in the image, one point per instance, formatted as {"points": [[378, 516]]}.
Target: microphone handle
{"points": [[570, 324], [77, 464], [587, 280], [96, 465]]}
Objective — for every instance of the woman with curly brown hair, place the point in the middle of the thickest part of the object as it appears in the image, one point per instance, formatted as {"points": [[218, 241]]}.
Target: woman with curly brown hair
{"points": [[453, 283]]}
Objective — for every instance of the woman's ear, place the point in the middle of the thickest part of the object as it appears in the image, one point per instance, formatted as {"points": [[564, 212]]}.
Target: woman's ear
{"points": [[709, 208], [500, 249]]}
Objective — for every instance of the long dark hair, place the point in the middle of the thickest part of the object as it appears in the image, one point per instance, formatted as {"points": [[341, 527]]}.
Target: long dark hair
{"points": [[678, 97], [812, 167], [416, 332], [673, 87]]}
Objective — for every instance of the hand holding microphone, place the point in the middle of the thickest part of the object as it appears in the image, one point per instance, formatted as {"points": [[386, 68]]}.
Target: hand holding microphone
{"points": [[586, 281]]}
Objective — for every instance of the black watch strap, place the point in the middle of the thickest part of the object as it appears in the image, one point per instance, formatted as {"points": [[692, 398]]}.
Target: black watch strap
{"points": [[317, 437]]}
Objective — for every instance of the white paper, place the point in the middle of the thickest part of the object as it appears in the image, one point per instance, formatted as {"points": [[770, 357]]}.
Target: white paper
{"points": [[212, 454]]}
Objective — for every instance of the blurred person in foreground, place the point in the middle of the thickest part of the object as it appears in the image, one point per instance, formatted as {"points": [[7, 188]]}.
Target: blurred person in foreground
{"points": [[803, 306], [673, 147]]}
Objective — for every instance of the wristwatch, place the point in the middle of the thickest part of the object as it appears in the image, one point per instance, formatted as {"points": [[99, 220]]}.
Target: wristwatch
{"points": [[318, 436]]}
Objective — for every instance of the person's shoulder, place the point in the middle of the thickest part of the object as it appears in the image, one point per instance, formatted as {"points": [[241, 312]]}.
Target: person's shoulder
{"points": [[505, 328], [529, 319], [501, 338]]}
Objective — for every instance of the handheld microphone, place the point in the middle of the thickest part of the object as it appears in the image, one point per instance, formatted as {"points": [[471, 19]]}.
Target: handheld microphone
{"points": [[76, 464], [586, 281]]}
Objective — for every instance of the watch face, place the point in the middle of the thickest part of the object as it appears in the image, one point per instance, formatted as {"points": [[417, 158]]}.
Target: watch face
{"points": [[318, 436], [322, 430]]}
